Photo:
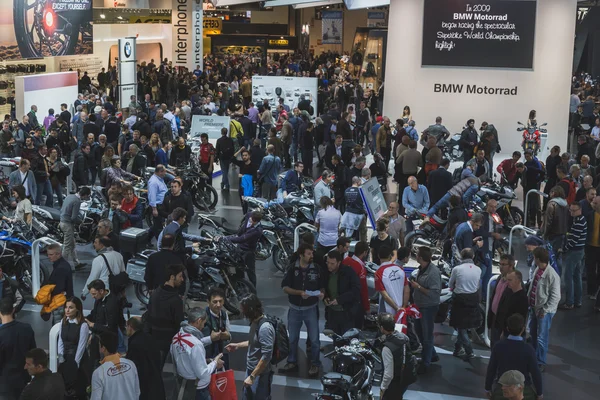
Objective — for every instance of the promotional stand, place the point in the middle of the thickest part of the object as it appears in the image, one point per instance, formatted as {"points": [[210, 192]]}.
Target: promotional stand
{"points": [[127, 70]]}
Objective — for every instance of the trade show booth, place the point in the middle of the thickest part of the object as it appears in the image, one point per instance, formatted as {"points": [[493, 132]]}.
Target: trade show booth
{"points": [[491, 61]]}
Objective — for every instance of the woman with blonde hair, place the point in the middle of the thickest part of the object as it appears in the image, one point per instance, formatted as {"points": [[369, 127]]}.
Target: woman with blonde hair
{"points": [[155, 142]]}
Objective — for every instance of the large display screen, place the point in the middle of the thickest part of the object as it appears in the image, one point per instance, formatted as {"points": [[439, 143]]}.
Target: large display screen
{"points": [[45, 28], [479, 33]]}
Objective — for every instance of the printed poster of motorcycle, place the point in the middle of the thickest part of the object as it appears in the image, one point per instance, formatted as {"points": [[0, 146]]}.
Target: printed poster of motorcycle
{"points": [[45, 28], [333, 25]]}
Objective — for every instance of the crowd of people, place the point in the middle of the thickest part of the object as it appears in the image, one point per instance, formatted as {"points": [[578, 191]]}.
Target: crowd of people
{"points": [[112, 141]]}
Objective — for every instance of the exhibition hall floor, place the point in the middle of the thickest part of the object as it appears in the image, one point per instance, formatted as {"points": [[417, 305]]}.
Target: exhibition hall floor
{"points": [[572, 372]]}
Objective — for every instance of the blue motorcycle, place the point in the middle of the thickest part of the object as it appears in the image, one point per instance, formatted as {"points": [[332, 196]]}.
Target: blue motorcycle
{"points": [[16, 241]]}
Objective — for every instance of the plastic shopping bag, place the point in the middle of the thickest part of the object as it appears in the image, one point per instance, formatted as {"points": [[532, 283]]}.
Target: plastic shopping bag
{"points": [[222, 386]]}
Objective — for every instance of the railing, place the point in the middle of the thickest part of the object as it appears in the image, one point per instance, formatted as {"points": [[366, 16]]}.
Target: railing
{"points": [[527, 201], [35, 262], [306, 226], [488, 302], [521, 228], [53, 347], [70, 178]]}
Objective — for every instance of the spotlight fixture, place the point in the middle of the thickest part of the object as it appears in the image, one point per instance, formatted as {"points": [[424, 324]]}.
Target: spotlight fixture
{"points": [[102, 16]]}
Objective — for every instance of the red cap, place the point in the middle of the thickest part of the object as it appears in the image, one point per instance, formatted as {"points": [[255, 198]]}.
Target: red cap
{"points": [[379, 119]]}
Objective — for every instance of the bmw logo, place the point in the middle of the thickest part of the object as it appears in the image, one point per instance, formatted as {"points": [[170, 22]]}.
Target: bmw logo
{"points": [[127, 49]]}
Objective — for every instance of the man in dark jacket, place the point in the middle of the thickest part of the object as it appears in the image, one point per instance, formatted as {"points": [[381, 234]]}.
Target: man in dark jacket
{"points": [[16, 339], [465, 236], [61, 276], [145, 355], [133, 161], [176, 197], [247, 238], [439, 182], [531, 179], [224, 153], [500, 286], [105, 316], [468, 140], [156, 267], [165, 310], [46, 384], [585, 148], [81, 166], [9, 289], [488, 232], [513, 301], [341, 183], [333, 149], [292, 181], [342, 285]]}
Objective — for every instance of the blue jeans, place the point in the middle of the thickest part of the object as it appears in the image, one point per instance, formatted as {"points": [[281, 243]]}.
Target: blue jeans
{"points": [[44, 188], [202, 394], [225, 168], [463, 341], [539, 328], [168, 178], [260, 389], [425, 333], [486, 272], [442, 203], [122, 347], [295, 320], [294, 151], [573, 262]]}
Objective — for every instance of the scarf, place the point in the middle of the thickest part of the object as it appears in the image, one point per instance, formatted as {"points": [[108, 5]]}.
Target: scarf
{"points": [[187, 328]]}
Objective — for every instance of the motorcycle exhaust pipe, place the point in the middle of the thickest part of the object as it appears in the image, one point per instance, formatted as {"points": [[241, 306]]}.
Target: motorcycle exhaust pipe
{"points": [[422, 242]]}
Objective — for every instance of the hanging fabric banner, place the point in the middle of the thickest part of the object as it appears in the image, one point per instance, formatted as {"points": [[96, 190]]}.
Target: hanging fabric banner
{"points": [[333, 25]]}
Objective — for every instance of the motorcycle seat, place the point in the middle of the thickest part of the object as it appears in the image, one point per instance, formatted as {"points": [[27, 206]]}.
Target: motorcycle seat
{"points": [[52, 211], [223, 222]]}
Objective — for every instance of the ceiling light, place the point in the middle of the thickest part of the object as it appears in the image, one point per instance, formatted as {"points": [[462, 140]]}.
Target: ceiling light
{"points": [[119, 17], [102, 16]]}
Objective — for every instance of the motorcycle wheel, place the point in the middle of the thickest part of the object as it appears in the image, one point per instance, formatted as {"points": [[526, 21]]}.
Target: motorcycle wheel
{"points": [[26, 275], [263, 249], [148, 217], [29, 26], [206, 198], [142, 293], [243, 288], [280, 259], [500, 247], [411, 238], [518, 218]]}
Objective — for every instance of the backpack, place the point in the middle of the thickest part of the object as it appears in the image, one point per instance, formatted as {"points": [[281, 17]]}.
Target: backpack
{"points": [[63, 135], [117, 283], [572, 190], [103, 176], [281, 347], [456, 175]]}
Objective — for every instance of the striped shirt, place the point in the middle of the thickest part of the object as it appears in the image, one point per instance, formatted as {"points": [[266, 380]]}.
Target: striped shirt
{"points": [[577, 235]]}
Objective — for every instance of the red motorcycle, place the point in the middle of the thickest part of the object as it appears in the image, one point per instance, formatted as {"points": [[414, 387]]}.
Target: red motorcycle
{"points": [[531, 137]]}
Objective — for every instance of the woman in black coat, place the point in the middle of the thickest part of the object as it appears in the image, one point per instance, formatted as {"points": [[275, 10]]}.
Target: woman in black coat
{"points": [[72, 342]]}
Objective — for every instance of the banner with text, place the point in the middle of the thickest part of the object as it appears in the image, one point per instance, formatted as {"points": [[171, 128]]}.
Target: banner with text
{"points": [[127, 70], [376, 19], [209, 124], [332, 28], [374, 201], [187, 33]]}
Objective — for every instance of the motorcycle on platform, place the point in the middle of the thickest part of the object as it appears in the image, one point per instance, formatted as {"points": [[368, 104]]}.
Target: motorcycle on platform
{"points": [[532, 137]]}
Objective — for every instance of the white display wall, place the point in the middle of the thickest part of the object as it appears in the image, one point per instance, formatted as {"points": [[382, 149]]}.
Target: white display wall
{"points": [[45, 91], [546, 88]]}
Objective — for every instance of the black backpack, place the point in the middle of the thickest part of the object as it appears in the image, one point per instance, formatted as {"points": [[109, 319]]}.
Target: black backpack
{"points": [[117, 283], [281, 347], [456, 175]]}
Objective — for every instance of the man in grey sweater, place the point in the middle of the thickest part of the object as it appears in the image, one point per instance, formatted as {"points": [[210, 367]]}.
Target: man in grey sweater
{"points": [[69, 216]]}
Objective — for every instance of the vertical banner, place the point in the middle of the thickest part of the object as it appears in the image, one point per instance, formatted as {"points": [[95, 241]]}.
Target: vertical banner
{"points": [[127, 70], [376, 19], [187, 33], [332, 26]]}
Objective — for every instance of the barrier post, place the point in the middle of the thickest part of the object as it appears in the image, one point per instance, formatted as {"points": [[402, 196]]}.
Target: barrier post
{"points": [[35, 262], [70, 178], [305, 225], [53, 347], [521, 228], [527, 201], [486, 337]]}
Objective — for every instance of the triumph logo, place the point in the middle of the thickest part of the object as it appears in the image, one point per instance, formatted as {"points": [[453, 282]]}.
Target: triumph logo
{"points": [[127, 49], [222, 384]]}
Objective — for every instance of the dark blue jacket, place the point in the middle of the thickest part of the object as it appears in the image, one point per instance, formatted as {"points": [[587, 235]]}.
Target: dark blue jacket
{"points": [[247, 238], [291, 181], [484, 232], [463, 238], [511, 354]]}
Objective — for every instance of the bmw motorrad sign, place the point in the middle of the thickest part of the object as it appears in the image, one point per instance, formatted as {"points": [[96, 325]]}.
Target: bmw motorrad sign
{"points": [[127, 70]]}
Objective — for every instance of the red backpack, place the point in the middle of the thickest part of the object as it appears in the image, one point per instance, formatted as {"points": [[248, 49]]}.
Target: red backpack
{"points": [[572, 190]]}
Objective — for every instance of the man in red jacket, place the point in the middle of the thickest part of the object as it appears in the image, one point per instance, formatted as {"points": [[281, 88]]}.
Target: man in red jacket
{"points": [[509, 167], [357, 263]]}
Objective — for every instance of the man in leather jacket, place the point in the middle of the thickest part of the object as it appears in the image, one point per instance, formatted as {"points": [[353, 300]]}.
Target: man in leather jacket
{"points": [[398, 365], [468, 141]]}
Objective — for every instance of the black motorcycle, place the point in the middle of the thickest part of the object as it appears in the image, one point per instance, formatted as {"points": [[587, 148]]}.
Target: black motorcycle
{"points": [[452, 149], [218, 264], [353, 371], [204, 196]]}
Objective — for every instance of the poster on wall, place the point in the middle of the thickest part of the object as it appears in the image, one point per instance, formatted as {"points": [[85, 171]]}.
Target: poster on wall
{"points": [[332, 28], [376, 19], [36, 29], [295, 92], [209, 124], [187, 33], [479, 33]]}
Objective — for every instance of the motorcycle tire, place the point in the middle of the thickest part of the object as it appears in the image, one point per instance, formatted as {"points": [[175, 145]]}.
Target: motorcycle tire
{"points": [[27, 47], [243, 288], [500, 247], [280, 260], [411, 238], [26, 275], [263, 249], [142, 293], [518, 218], [206, 198]]}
